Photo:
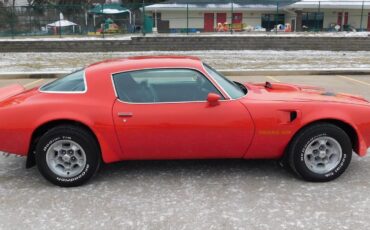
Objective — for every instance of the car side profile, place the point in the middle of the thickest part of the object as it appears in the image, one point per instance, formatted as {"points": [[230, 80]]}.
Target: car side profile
{"points": [[177, 107]]}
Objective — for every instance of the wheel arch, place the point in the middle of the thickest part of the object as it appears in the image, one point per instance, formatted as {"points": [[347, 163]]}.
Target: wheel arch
{"points": [[345, 126], [43, 128]]}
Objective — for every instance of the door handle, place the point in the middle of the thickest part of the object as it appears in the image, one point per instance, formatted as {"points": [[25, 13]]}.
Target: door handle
{"points": [[125, 114]]}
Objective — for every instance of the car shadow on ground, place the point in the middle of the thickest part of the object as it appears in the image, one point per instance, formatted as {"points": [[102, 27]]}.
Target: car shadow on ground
{"points": [[13, 172], [195, 168]]}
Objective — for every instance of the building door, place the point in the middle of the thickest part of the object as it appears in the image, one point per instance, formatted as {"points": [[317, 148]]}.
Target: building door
{"points": [[209, 20], [237, 18], [156, 18], [221, 18], [340, 20], [346, 18], [368, 23]]}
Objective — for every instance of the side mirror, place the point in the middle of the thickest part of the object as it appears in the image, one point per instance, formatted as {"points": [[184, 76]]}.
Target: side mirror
{"points": [[213, 98]]}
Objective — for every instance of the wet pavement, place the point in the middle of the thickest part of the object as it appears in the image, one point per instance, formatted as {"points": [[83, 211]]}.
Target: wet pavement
{"points": [[208, 194]]}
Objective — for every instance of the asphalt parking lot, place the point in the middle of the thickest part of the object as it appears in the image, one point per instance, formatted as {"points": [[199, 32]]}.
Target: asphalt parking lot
{"points": [[209, 194]]}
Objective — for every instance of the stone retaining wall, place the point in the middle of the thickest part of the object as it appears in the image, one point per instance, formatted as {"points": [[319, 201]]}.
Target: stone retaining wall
{"points": [[190, 43]]}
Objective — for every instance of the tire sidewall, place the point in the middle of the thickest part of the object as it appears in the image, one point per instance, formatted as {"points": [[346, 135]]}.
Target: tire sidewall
{"points": [[91, 157], [327, 131]]}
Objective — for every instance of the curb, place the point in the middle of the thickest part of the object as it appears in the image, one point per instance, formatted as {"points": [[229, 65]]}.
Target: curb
{"points": [[40, 75], [303, 72], [32, 75]]}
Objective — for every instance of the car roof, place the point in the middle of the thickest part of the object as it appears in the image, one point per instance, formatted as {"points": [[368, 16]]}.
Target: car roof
{"points": [[145, 62]]}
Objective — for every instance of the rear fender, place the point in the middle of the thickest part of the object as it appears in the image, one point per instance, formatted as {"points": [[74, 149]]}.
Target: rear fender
{"points": [[11, 90], [104, 132]]}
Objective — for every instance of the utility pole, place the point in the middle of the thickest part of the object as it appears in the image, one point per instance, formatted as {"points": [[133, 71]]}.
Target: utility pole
{"points": [[187, 18], [362, 15], [232, 17], [277, 16], [143, 19]]}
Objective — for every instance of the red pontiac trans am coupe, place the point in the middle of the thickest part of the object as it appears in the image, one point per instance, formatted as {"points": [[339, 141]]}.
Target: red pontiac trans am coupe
{"points": [[169, 107]]}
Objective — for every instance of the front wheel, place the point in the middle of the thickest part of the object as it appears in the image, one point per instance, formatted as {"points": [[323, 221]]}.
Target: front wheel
{"points": [[320, 152], [67, 156]]}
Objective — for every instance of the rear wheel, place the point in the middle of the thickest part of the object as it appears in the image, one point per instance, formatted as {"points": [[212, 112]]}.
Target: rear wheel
{"points": [[67, 156], [320, 152]]}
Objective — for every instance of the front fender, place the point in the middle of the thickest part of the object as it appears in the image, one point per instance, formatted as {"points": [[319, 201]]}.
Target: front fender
{"points": [[348, 116]]}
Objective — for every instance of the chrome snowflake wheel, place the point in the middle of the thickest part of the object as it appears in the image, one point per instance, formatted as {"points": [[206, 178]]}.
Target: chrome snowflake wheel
{"points": [[66, 158], [323, 154]]}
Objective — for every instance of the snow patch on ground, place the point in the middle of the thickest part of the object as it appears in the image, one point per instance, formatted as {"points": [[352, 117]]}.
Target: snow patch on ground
{"points": [[56, 38], [220, 59]]}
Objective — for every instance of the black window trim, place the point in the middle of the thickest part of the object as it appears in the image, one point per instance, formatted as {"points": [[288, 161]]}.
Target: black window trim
{"points": [[216, 85], [230, 98]]}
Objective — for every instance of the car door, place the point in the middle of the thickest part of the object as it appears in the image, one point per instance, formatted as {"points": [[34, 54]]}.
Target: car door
{"points": [[164, 114]]}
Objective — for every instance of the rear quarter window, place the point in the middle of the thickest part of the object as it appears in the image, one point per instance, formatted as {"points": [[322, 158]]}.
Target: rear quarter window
{"points": [[74, 82]]}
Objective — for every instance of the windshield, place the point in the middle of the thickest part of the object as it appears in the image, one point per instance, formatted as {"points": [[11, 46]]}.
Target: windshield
{"points": [[74, 82], [235, 90]]}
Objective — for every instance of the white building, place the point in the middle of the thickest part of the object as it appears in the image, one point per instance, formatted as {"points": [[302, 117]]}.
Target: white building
{"points": [[353, 13], [312, 15], [16, 3]]}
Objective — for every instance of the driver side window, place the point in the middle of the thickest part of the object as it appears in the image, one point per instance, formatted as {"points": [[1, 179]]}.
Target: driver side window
{"points": [[163, 85]]}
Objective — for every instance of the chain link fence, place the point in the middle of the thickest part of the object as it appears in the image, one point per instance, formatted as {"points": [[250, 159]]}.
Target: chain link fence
{"points": [[67, 20], [185, 17]]}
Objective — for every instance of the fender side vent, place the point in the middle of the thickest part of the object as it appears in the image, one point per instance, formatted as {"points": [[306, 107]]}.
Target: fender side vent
{"points": [[293, 116]]}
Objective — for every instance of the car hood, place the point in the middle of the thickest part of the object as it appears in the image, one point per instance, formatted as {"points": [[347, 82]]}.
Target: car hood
{"points": [[289, 92]]}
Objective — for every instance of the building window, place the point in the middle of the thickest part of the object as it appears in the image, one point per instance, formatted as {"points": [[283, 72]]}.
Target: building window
{"points": [[270, 20], [313, 21]]}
